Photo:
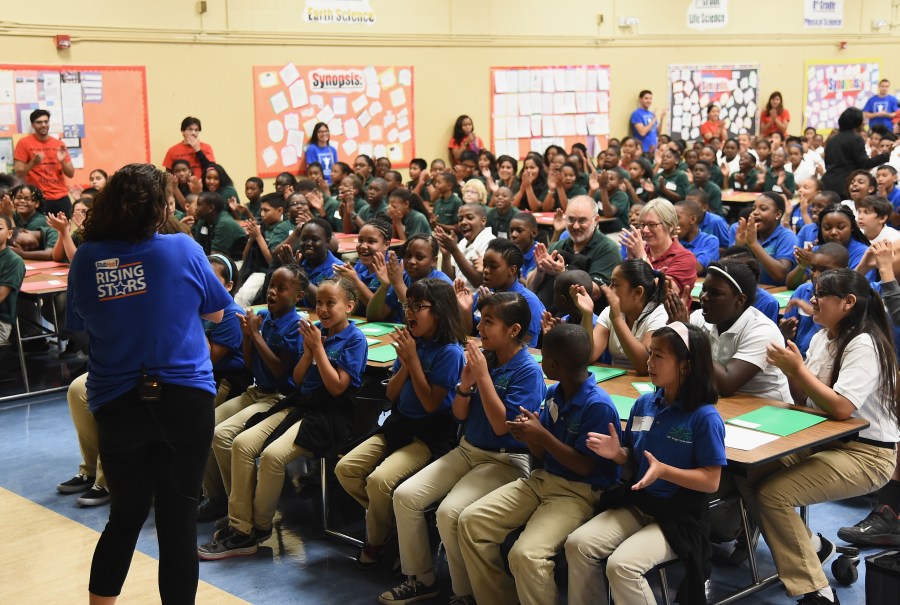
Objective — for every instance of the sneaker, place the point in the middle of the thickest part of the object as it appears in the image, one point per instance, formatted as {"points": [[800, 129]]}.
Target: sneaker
{"points": [[826, 551], [814, 598], [370, 555], [462, 600], [93, 497], [227, 543], [211, 509], [261, 535], [410, 591], [76, 484], [742, 546], [880, 528], [222, 522]]}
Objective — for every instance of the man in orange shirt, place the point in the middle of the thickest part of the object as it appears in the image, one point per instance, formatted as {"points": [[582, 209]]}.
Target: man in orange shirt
{"points": [[198, 155], [43, 161]]}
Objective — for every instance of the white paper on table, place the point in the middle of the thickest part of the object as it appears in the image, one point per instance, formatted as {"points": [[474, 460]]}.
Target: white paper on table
{"points": [[512, 105], [326, 114], [581, 125], [375, 108], [359, 103], [288, 155], [371, 75], [269, 156], [268, 79], [387, 78], [317, 100], [398, 97], [512, 128], [276, 131], [349, 147], [279, 102], [373, 91], [364, 118], [298, 94], [405, 77], [403, 122], [296, 139], [499, 105], [366, 149], [291, 121], [499, 131], [339, 106], [746, 439], [393, 134], [289, 74], [351, 128], [405, 135], [336, 127], [375, 132], [524, 128]]}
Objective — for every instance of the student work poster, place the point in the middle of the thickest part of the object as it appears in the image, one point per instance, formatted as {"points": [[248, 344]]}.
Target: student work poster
{"points": [[831, 87], [535, 107], [694, 88], [368, 110]]}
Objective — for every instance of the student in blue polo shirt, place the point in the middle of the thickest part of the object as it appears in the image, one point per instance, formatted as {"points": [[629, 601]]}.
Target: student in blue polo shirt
{"points": [[307, 423], [501, 263], [771, 243], [808, 235], [226, 338], [553, 500], [523, 230], [836, 224], [711, 223], [676, 440], [564, 300], [703, 246], [372, 242], [421, 427], [318, 261], [886, 177], [493, 385]]}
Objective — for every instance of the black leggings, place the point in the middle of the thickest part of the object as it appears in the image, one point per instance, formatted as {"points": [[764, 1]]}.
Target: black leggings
{"points": [[153, 452]]}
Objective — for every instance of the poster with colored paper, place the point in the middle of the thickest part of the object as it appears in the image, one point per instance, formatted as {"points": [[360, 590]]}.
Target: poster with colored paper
{"points": [[695, 88], [831, 87], [535, 107], [359, 104]]}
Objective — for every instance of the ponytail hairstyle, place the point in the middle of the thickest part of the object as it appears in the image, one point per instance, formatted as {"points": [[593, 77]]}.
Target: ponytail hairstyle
{"points": [[697, 387], [640, 274], [510, 308], [866, 317]]}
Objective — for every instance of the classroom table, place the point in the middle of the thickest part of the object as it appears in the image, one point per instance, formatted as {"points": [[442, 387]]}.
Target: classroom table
{"points": [[347, 242], [730, 196]]}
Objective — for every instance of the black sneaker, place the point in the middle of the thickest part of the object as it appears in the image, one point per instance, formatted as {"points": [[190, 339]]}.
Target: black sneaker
{"points": [[880, 528], [211, 509], [370, 555], [93, 497], [827, 551], [410, 591], [227, 543], [462, 600], [76, 484], [814, 598], [261, 535], [742, 546], [222, 522]]}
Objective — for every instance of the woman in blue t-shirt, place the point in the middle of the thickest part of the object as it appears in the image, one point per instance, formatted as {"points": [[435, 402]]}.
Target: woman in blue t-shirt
{"points": [[320, 151]]}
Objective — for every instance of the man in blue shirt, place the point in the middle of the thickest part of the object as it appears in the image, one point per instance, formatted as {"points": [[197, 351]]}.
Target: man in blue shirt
{"points": [[645, 123], [881, 109]]}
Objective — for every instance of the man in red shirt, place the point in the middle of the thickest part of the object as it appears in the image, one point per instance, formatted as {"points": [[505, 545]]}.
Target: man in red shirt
{"points": [[198, 155], [43, 161]]}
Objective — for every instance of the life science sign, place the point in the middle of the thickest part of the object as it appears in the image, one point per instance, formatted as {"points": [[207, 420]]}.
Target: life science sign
{"points": [[707, 14]]}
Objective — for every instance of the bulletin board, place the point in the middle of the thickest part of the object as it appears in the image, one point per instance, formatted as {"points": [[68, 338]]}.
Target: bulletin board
{"points": [[831, 87], [535, 107], [693, 88], [368, 109], [99, 112]]}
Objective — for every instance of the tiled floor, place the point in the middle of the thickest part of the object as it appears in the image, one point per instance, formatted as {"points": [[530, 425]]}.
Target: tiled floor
{"points": [[38, 449]]}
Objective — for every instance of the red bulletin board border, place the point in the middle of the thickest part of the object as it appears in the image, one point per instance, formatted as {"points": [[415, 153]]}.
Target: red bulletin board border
{"points": [[109, 164], [599, 141]]}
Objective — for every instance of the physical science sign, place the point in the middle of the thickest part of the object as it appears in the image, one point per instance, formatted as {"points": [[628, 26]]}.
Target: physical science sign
{"points": [[823, 14]]}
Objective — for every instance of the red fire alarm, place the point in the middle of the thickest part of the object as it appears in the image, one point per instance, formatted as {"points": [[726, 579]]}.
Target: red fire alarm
{"points": [[63, 42]]}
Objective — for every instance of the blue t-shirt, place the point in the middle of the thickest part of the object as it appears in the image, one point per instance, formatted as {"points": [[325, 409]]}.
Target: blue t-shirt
{"points": [[529, 264], [588, 410], [644, 117], [685, 440], [877, 104], [284, 340], [326, 156], [767, 304], [893, 197], [520, 382], [808, 233], [228, 334], [140, 303], [442, 365], [779, 245], [534, 304], [393, 301], [319, 273], [806, 327], [715, 225], [346, 350], [704, 247]]}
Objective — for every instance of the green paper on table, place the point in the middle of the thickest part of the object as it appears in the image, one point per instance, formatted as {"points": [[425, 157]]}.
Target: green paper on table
{"points": [[602, 374], [776, 421], [378, 329], [644, 387], [623, 405], [537, 357], [782, 297], [696, 290], [372, 342], [382, 354]]}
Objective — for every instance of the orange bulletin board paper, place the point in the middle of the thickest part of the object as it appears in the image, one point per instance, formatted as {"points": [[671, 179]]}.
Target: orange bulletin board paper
{"points": [[368, 109], [535, 107], [100, 112]]}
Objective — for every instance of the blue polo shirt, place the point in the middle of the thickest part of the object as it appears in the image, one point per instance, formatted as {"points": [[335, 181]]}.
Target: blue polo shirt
{"points": [[716, 226], [779, 245], [644, 117], [594, 319], [519, 382], [346, 350], [685, 440], [319, 273], [893, 197], [855, 250], [228, 334], [808, 233], [570, 420], [767, 304], [529, 264], [806, 327], [534, 304], [141, 304], [393, 301], [442, 365], [366, 276], [283, 338], [704, 247]]}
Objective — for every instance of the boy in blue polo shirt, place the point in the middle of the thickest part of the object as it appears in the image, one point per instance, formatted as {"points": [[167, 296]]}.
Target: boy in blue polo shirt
{"points": [[886, 177], [711, 223], [554, 500], [703, 246], [523, 230]]}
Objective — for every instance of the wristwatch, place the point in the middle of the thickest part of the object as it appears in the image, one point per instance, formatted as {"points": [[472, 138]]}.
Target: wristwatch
{"points": [[464, 393]]}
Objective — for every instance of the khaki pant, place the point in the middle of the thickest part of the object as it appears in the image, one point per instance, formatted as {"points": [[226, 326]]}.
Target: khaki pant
{"points": [[254, 493], [370, 478], [550, 507], [633, 543], [236, 411], [461, 477], [86, 429], [774, 491]]}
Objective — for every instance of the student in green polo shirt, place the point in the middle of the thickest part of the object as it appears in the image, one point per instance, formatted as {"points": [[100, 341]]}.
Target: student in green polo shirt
{"points": [[321, 204], [34, 244], [612, 159], [261, 243], [708, 154], [26, 199], [702, 180], [215, 229], [747, 177], [612, 202], [446, 203], [375, 204], [671, 183], [12, 272], [408, 214], [564, 186], [777, 178], [500, 215]]}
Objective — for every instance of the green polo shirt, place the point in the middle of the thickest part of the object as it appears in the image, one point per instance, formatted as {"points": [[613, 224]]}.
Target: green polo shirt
{"points": [[12, 272], [622, 202], [772, 181], [715, 176], [749, 183], [715, 197], [446, 210], [329, 213], [276, 234], [224, 235], [602, 251], [676, 181], [34, 221], [368, 212], [416, 222], [575, 191], [499, 223]]}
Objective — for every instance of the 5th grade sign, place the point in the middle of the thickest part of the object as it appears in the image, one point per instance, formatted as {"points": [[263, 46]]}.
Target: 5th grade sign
{"points": [[368, 110]]}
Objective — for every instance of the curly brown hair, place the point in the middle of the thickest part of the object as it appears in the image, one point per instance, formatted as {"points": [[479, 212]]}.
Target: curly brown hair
{"points": [[132, 206]]}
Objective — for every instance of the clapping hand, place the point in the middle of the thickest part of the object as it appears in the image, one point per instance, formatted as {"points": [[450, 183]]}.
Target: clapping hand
{"points": [[526, 427], [548, 322], [405, 345], [675, 308], [605, 446], [788, 358], [463, 296]]}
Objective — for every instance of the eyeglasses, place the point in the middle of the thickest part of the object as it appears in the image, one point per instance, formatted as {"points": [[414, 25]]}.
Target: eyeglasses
{"points": [[25, 198], [414, 307], [571, 220], [651, 226], [79, 211]]}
